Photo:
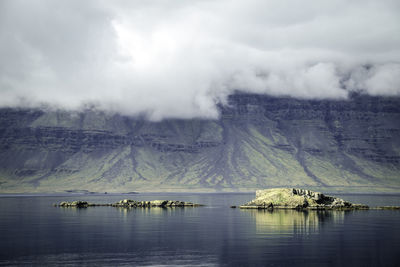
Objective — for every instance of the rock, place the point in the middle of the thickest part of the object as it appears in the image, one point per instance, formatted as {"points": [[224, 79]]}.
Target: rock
{"points": [[127, 203], [233, 207], [294, 198], [63, 204], [76, 204], [159, 203]]}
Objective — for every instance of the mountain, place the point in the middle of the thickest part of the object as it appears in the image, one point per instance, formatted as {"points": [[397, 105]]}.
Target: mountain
{"points": [[258, 142]]}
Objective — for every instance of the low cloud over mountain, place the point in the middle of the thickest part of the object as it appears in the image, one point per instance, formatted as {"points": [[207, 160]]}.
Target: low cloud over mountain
{"points": [[178, 59]]}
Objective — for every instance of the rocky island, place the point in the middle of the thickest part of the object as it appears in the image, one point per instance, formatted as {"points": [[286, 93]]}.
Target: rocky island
{"points": [[129, 203], [294, 198]]}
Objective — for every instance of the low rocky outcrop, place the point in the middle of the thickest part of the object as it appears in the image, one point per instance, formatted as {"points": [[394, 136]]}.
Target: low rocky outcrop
{"points": [[129, 203], [293, 198], [76, 204]]}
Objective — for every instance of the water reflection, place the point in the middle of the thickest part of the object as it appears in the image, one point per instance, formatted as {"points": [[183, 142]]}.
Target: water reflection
{"points": [[292, 222], [147, 258], [156, 211]]}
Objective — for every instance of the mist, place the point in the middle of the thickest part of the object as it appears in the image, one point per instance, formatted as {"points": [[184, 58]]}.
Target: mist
{"points": [[179, 59]]}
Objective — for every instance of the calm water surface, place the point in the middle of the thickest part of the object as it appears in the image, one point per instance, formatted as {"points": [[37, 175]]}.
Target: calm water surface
{"points": [[33, 232]]}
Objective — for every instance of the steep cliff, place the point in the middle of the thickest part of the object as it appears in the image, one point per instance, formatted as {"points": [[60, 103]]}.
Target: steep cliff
{"points": [[258, 142]]}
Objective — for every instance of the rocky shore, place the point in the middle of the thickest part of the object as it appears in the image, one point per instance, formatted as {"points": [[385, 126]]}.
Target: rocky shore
{"points": [[294, 198], [129, 203]]}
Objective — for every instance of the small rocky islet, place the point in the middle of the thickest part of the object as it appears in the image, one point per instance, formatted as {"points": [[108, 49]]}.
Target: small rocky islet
{"points": [[299, 199], [129, 203]]}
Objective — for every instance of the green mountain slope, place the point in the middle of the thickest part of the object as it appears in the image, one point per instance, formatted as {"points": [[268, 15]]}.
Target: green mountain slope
{"points": [[258, 142]]}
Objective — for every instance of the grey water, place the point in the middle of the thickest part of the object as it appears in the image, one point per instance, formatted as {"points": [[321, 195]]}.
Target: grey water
{"points": [[34, 233]]}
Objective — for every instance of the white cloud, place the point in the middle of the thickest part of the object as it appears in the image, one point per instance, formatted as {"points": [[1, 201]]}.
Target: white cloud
{"points": [[179, 58], [384, 80]]}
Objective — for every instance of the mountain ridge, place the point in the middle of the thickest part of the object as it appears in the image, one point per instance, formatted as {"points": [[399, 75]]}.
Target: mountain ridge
{"points": [[258, 142]]}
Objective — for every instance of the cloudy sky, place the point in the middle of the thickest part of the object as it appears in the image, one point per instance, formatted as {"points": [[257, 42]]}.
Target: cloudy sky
{"points": [[177, 59]]}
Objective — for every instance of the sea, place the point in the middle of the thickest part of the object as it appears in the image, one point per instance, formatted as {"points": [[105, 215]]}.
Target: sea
{"points": [[35, 233]]}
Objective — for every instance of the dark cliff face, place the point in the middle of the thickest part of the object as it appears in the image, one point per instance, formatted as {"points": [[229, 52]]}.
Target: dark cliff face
{"points": [[258, 142]]}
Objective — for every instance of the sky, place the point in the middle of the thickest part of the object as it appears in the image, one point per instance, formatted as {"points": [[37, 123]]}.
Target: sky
{"points": [[179, 59]]}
